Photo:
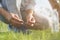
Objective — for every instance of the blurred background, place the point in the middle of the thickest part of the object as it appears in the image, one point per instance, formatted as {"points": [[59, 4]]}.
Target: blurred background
{"points": [[36, 34]]}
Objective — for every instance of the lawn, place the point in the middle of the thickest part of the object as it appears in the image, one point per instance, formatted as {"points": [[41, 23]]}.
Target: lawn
{"points": [[35, 35]]}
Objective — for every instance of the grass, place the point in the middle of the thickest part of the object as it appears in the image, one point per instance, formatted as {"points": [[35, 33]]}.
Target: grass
{"points": [[35, 35]]}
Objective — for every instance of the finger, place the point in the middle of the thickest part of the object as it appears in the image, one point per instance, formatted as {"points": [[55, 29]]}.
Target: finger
{"points": [[14, 15], [18, 20], [31, 22]]}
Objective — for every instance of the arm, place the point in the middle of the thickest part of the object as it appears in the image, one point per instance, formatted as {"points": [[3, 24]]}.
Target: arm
{"points": [[29, 9], [11, 18], [6, 14], [10, 15]]}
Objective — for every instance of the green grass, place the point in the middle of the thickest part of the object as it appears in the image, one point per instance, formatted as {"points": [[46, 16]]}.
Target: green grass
{"points": [[35, 35]]}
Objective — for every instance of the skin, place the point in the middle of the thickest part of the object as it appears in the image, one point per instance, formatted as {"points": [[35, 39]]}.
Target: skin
{"points": [[30, 18], [11, 18], [14, 20]]}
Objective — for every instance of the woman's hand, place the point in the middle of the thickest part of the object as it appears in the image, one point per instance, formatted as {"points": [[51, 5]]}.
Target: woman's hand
{"points": [[30, 20], [11, 18], [14, 20]]}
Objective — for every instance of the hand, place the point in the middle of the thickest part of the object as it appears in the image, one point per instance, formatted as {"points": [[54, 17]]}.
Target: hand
{"points": [[30, 20], [14, 20], [11, 18]]}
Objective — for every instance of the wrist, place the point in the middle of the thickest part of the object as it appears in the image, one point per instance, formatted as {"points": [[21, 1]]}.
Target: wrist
{"points": [[29, 12], [8, 17]]}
